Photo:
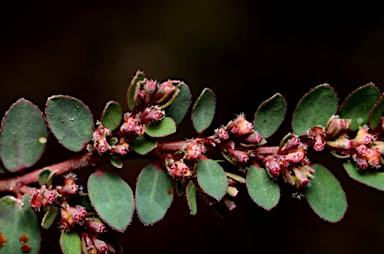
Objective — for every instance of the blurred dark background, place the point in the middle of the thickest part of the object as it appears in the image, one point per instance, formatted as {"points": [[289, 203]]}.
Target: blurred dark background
{"points": [[245, 51]]}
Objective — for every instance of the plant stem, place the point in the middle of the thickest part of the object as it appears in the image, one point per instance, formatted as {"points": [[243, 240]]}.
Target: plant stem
{"points": [[14, 184]]}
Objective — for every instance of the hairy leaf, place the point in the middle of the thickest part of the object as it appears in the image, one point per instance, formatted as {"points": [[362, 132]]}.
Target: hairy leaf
{"points": [[15, 224], [261, 188], [112, 199], [191, 198], [270, 115], [374, 180], [211, 178], [154, 194], [204, 110], [143, 144], [49, 217], [325, 195], [112, 115], [314, 108], [357, 106], [70, 243], [70, 121], [23, 136], [179, 107], [376, 113], [161, 129], [133, 89], [44, 176]]}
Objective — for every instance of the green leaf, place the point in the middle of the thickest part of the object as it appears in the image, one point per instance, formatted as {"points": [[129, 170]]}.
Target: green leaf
{"points": [[325, 195], [261, 188], [371, 179], [133, 89], [143, 144], [204, 110], [112, 115], [376, 113], [70, 121], [154, 194], [211, 178], [179, 107], [161, 129], [112, 199], [357, 106], [23, 136], [179, 187], [49, 217], [44, 177], [270, 115], [314, 108], [70, 243], [191, 198], [116, 162], [14, 224]]}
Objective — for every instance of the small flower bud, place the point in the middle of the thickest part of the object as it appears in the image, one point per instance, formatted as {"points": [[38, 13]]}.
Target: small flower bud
{"points": [[178, 169], [230, 204], [296, 156], [291, 144], [301, 177], [288, 177], [139, 129], [363, 137], [193, 151], [240, 126], [340, 143], [238, 155], [221, 133], [95, 225], [232, 191], [164, 91], [253, 138], [336, 125], [273, 168], [100, 245]]}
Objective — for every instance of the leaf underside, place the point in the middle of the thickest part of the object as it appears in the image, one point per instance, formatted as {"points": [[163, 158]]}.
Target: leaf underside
{"points": [[112, 199], [154, 194], [261, 188], [325, 195]]}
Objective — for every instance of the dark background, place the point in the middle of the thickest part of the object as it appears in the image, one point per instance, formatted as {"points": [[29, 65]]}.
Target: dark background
{"points": [[245, 51]]}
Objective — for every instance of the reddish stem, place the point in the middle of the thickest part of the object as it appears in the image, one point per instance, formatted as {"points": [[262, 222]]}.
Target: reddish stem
{"points": [[16, 184]]}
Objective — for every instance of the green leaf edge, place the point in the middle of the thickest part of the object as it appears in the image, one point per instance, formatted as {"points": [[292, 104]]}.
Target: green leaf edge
{"points": [[112, 128], [277, 124], [196, 104]]}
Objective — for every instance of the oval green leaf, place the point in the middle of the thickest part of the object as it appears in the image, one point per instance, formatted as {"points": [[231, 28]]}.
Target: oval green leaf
{"points": [[23, 136], [204, 110], [49, 217], [44, 176], [15, 223], [112, 115], [191, 197], [70, 120], [70, 243], [179, 107], [326, 196], [376, 113], [357, 106], [314, 108], [161, 129], [263, 191], [154, 194], [212, 178], [133, 89], [143, 144], [270, 115], [112, 199], [374, 180]]}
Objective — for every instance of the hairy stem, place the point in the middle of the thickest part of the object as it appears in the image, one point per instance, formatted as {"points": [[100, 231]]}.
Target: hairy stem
{"points": [[14, 184]]}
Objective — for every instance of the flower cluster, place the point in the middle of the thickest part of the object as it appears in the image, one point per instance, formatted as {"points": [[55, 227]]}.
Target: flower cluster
{"points": [[291, 162], [237, 140], [48, 195], [364, 148]]}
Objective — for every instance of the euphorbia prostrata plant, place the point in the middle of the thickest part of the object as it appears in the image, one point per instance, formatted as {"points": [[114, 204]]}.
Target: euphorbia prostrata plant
{"points": [[196, 167]]}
